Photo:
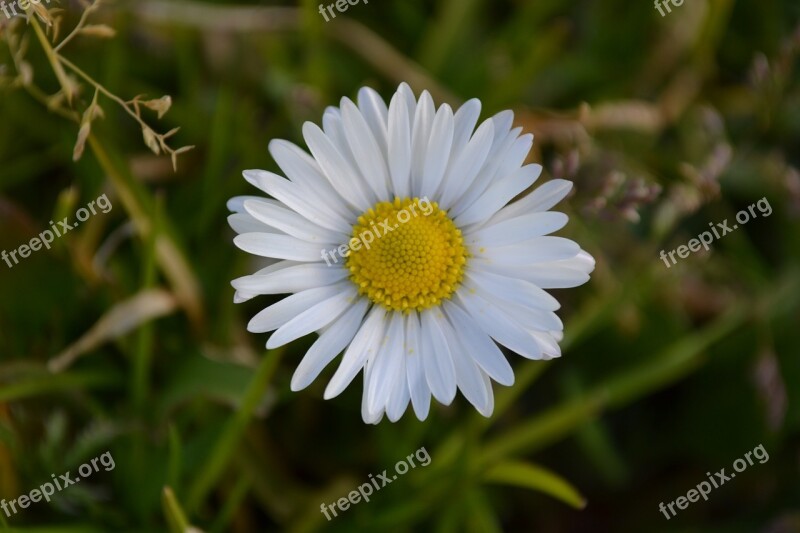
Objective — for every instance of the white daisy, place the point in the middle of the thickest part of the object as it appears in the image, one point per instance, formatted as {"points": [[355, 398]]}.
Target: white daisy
{"points": [[422, 309]]}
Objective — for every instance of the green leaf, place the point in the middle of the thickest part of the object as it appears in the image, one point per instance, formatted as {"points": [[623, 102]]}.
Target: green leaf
{"points": [[176, 518], [40, 382], [231, 435], [482, 516], [530, 476]]}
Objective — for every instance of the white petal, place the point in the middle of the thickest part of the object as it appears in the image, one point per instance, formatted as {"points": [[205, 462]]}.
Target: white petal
{"points": [[366, 149], [517, 229], [303, 170], [415, 371], [514, 290], [279, 313], [241, 297], [341, 174], [548, 276], [481, 348], [329, 345], [540, 199], [464, 124], [549, 194], [297, 169], [297, 199], [583, 261], [236, 204], [292, 223], [387, 364], [487, 175], [516, 156], [465, 169], [273, 265], [313, 319], [487, 386], [499, 325], [244, 223], [294, 278], [526, 317], [365, 344], [499, 194], [334, 128], [420, 137], [399, 146], [503, 122], [281, 246], [468, 375], [400, 396], [369, 416], [438, 154], [436, 359], [500, 155], [376, 114], [538, 250], [563, 274], [411, 101], [547, 343]]}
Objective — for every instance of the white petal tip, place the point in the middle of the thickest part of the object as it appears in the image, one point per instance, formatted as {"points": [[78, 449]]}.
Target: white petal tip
{"points": [[333, 390], [272, 344], [239, 297], [298, 383], [252, 176], [329, 395], [309, 127], [506, 382]]}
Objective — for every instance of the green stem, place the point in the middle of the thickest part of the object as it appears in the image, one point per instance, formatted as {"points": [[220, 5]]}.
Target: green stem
{"points": [[232, 504], [77, 70], [53, 59], [47, 383], [76, 30], [668, 367], [442, 37], [139, 205], [232, 433], [176, 518], [143, 354]]}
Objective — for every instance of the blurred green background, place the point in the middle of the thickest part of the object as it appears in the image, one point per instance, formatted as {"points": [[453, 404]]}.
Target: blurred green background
{"points": [[124, 336]]}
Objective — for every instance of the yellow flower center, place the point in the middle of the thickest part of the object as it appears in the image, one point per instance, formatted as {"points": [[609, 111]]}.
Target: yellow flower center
{"points": [[404, 257]]}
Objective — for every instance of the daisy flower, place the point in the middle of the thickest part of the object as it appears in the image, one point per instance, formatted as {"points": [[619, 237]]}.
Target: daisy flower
{"points": [[423, 308]]}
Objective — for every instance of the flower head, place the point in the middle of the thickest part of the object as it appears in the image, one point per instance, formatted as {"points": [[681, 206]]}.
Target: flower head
{"points": [[396, 242]]}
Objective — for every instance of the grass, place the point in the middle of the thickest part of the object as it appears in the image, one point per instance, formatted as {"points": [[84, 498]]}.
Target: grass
{"points": [[665, 124]]}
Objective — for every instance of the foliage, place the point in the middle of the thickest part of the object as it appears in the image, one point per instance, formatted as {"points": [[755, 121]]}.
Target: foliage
{"points": [[124, 335]]}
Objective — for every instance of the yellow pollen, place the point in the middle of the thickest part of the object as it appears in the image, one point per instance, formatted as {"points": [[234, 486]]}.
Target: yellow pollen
{"points": [[404, 257]]}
